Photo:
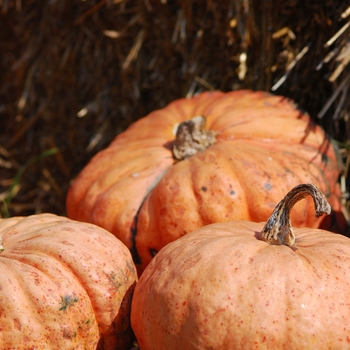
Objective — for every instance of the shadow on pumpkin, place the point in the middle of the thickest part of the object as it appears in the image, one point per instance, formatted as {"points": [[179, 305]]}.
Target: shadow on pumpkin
{"points": [[335, 222], [119, 335]]}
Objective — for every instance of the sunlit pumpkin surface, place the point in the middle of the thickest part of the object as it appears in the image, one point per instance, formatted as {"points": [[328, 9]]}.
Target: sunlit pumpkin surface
{"points": [[264, 146], [63, 285], [222, 288]]}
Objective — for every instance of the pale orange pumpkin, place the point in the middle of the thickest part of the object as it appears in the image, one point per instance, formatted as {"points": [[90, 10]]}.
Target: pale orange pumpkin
{"points": [[245, 285], [63, 285], [215, 157]]}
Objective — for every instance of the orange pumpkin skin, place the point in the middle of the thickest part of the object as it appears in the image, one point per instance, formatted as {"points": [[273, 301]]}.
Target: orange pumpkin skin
{"points": [[265, 145], [221, 288], [63, 285]]}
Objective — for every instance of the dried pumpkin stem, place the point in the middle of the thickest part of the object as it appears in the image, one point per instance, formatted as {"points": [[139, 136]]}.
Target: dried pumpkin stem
{"points": [[278, 229], [192, 137]]}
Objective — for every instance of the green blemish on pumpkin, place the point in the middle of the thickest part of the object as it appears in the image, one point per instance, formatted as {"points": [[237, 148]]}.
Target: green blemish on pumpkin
{"points": [[87, 322], [268, 186], [117, 284], [67, 301]]}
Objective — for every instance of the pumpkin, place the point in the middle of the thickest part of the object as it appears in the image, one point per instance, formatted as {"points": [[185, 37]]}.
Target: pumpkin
{"points": [[182, 167], [246, 285], [63, 285]]}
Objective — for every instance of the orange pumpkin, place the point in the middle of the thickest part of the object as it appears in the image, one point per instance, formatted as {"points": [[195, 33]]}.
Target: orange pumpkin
{"points": [[245, 285], [183, 166], [63, 285]]}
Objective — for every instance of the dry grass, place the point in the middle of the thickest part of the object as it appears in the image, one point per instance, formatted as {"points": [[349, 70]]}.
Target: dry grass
{"points": [[76, 73]]}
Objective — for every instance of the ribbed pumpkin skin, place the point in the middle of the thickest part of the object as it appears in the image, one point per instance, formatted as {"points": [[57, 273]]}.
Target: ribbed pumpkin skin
{"points": [[63, 285], [265, 146], [222, 288]]}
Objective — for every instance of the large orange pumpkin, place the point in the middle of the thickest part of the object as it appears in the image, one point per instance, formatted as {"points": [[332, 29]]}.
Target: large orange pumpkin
{"points": [[245, 285], [215, 157], [63, 285]]}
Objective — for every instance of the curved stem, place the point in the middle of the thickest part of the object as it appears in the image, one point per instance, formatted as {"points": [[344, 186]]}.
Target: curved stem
{"points": [[192, 137], [278, 229]]}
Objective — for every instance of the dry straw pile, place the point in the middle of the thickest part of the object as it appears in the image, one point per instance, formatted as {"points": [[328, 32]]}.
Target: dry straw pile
{"points": [[76, 73]]}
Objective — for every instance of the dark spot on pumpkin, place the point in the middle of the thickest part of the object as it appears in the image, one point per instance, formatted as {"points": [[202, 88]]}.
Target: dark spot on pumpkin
{"points": [[324, 158], [133, 231], [69, 333], [68, 229], [204, 189], [268, 186], [153, 252], [67, 243], [17, 323], [232, 192]]}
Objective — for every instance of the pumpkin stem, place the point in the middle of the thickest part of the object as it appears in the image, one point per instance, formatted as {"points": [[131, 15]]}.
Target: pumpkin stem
{"points": [[192, 137], [278, 229]]}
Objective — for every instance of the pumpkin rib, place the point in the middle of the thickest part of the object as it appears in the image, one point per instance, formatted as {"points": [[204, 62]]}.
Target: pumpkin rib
{"points": [[30, 301], [235, 166], [133, 228], [48, 258], [289, 157], [270, 135], [68, 268], [267, 126], [103, 206], [202, 104], [243, 164], [198, 191], [105, 180]]}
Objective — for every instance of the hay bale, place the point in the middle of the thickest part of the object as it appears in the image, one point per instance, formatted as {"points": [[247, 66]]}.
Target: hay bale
{"points": [[76, 73]]}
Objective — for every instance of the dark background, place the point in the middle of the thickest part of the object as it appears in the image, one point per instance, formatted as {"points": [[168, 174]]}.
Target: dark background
{"points": [[74, 74]]}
